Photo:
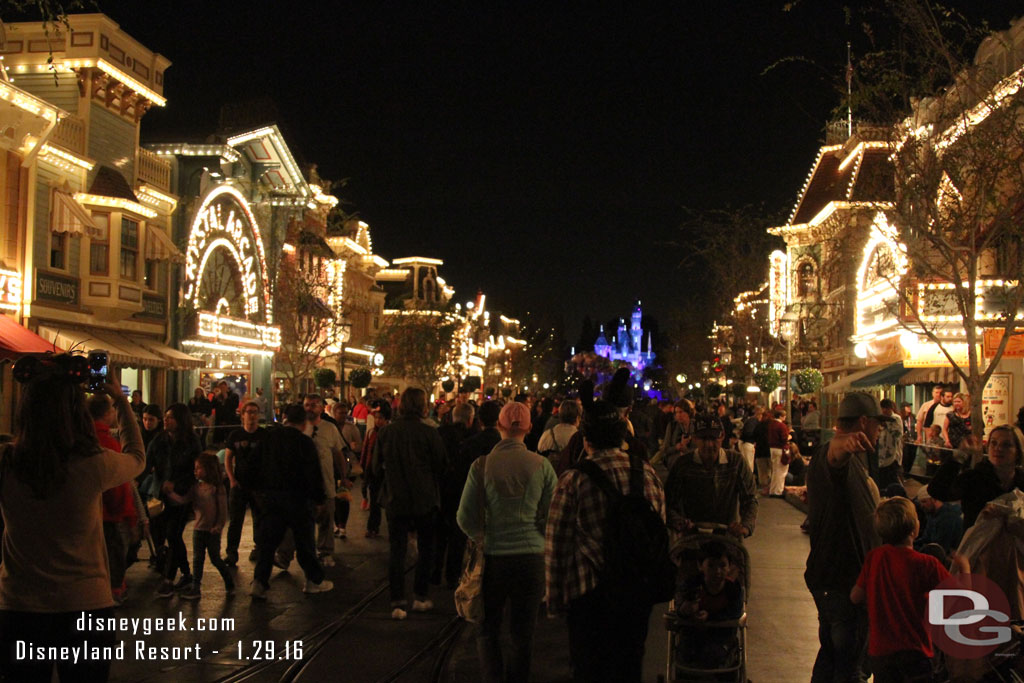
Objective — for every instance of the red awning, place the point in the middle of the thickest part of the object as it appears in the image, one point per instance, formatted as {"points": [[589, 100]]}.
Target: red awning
{"points": [[16, 340]]}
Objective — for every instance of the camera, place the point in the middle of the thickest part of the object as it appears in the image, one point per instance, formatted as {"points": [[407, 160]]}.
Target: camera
{"points": [[97, 360]]}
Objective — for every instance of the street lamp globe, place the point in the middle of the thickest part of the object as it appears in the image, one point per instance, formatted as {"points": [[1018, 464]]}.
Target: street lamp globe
{"points": [[705, 366], [681, 378], [788, 326]]}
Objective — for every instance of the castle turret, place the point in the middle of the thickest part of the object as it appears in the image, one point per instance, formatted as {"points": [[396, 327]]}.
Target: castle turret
{"points": [[601, 345]]}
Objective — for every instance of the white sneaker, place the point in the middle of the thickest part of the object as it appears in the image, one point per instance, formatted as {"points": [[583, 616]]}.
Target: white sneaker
{"points": [[399, 613], [257, 590], [422, 605], [327, 561], [321, 587]]}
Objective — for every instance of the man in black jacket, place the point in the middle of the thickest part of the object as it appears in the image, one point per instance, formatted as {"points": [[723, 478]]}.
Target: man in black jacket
{"points": [[289, 485], [410, 458]]}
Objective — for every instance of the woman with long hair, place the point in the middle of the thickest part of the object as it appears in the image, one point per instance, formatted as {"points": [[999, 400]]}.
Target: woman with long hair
{"points": [[173, 454], [54, 558], [957, 424], [974, 486]]}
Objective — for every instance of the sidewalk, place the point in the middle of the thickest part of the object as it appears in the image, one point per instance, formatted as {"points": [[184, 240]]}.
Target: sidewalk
{"points": [[782, 632]]}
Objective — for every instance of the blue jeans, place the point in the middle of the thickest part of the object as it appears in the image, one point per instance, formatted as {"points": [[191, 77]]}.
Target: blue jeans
{"points": [[518, 580], [203, 543], [843, 638], [398, 538], [240, 498]]}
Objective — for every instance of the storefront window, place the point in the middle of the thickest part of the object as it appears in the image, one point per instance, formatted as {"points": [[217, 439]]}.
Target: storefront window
{"points": [[129, 249]]}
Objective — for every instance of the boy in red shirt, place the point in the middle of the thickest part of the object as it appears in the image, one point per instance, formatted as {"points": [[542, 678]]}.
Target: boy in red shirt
{"points": [[895, 581]]}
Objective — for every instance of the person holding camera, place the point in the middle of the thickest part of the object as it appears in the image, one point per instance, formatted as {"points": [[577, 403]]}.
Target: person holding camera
{"points": [[52, 478]]}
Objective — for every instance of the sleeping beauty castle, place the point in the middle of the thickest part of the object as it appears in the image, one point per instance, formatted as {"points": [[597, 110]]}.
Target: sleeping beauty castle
{"points": [[627, 346]]}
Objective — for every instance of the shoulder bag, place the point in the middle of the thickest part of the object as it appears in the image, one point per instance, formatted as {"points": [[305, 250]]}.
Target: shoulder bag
{"points": [[469, 595]]}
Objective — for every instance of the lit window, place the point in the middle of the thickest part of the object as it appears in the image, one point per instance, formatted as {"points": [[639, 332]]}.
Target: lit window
{"points": [[99, 245], [129, 249], [58, 250]]}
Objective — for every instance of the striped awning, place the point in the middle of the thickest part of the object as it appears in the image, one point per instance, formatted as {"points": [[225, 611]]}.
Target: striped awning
{"points": [[945, 375], [160, 247], [179, 360], [843, 384], [120, 350], [67, 215], [884, 376]]}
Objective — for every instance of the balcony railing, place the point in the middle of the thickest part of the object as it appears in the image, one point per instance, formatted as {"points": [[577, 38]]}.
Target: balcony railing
{"points": [[70, 134], [154, 170]]}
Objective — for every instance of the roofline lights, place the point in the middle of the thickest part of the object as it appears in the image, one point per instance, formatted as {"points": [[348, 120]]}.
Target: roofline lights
{"points": [[157, 194], [111, 70], [190, 150], [27, 102], [115, 203], [418, 259], [49, 150]]}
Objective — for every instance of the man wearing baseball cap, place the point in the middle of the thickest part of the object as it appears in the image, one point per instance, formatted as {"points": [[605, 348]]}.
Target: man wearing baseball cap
{"points": [[711, 484], [842, 498]]}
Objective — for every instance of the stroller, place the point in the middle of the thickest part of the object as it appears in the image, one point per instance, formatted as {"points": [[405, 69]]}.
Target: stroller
{"points": [[701, 645]]}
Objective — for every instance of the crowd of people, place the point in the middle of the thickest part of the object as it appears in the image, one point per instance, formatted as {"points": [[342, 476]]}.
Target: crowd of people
{"points": [[533, 481]]}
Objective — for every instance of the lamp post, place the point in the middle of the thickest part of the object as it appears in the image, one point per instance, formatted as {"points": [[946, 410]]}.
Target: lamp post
{"points": [[344, 334], [788, 329]]}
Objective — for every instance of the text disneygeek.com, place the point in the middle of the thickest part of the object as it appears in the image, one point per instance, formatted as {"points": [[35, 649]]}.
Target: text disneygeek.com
{"points": [[134, 647]]}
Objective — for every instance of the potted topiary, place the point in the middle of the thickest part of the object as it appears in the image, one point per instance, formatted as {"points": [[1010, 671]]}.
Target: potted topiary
{"points": [[471, 384], [448, 385]]}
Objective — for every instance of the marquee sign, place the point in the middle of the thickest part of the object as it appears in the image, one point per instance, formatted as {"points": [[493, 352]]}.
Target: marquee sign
{"points": [[224, 221]]}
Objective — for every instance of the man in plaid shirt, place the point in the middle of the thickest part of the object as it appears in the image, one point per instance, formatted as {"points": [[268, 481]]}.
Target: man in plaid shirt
{"points": [[711, 484], [606, 642]]}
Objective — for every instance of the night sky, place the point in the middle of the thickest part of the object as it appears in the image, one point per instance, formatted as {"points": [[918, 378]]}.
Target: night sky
{"points": [[543, 150]]}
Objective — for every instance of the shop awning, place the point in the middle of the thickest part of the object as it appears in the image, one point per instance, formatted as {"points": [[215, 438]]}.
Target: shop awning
{"points": [[843, 384], [179, 360], [68, 215], [945, 375], [160, 247], [121, 351], [882, 377], [16, 340]]}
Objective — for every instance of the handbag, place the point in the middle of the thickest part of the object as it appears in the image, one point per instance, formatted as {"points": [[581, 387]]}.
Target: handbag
{"points": [[469, 595]]}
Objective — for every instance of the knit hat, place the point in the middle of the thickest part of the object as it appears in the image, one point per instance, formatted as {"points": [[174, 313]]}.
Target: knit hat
{"points": [[618, 392], [514, 417]]}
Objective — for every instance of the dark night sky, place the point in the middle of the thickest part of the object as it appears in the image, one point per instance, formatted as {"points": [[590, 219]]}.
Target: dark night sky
{"points": [[543, 150]]}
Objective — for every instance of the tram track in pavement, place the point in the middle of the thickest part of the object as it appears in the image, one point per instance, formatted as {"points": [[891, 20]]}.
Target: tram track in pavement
{"points": [[326, 644]]}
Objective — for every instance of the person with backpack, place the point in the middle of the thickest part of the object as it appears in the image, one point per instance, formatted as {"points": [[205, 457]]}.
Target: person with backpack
{"points": [[711, 484], [606, 552], [555, 439]]}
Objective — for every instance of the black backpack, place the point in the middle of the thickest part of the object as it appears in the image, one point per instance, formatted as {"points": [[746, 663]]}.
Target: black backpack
{"points": [[637, 567]]}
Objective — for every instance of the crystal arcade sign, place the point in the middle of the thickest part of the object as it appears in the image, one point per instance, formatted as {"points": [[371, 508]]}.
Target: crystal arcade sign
{"points": [[225, 222]]}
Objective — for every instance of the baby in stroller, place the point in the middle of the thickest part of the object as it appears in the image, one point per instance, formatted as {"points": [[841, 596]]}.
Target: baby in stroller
{"points": [[710, 595], [706, 625]]}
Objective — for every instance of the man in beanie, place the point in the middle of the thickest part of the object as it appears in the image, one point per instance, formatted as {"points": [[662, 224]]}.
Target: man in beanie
{"points": [[606, 638], [711, 484], [842, 498], [505, 501]]}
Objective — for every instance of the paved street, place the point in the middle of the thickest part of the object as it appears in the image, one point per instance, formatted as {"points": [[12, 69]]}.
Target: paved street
{"points": [[368, 646]]}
